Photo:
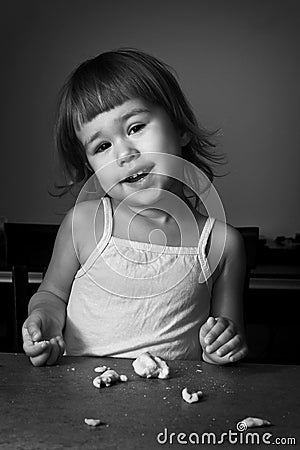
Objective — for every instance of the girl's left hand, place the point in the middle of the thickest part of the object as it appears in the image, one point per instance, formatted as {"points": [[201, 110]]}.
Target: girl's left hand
{"points": [[221, 342]]}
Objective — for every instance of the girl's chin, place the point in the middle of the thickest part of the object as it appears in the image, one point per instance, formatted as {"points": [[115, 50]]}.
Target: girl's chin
{"points": [[144, 197], [141, 197], [145, 192]]}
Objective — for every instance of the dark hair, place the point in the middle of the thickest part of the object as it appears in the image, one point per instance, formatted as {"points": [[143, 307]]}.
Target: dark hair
{"points": [[106, 81]]}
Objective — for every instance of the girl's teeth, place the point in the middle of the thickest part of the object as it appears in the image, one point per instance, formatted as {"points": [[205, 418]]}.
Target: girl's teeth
{"points": [[132, 177], [136, 175]]}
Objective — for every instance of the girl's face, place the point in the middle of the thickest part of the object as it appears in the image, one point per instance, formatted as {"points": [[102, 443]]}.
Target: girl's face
{"points": [[129, 146]]}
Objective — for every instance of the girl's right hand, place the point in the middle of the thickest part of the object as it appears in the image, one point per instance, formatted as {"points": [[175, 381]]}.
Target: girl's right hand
{"points": [[42, 339]]}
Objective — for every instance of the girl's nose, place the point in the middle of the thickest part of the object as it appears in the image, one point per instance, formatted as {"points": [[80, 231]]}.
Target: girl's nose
{"points": [[126, 155]]}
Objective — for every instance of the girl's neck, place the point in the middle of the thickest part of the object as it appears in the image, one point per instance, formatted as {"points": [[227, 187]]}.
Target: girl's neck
{"points": [[170, 206]]}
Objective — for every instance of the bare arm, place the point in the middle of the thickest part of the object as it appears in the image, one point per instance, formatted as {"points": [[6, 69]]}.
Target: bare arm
{"points": [[222, 336], [42, 331]]}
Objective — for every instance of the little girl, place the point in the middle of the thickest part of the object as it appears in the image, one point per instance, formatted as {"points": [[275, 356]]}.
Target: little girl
{"points": [[137, 267]]}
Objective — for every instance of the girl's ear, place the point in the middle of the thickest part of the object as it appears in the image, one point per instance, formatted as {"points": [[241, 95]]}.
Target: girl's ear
{"points": [[185, 138]]}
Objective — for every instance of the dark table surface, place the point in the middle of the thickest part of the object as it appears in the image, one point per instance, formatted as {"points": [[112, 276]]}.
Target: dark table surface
{"points": [[45, 407]]}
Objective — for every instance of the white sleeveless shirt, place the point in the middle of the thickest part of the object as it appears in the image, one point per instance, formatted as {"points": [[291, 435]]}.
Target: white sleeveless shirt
{"points": [[130, 297]]}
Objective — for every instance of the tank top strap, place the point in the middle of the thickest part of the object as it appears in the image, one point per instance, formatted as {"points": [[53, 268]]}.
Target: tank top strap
{"points": [[107, 232], [108, 221], [205, 272]]}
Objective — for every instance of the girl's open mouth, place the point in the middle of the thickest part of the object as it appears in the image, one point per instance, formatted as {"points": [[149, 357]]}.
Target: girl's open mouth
{"points": [[136, 177]]}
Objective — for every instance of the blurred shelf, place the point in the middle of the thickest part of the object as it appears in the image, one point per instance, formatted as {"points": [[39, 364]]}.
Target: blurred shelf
{"points": [[275, 283], [263, 277], [33, 277]]}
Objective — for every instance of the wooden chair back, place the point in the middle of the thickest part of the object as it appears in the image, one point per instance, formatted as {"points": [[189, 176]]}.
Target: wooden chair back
{"points": [[28, 248]]}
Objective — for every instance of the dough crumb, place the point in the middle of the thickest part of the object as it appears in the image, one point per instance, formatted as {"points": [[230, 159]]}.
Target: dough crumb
{"points": [[252, 422], [41, 342], [193, 397], [92, 422], [107, 378], [100, 369]]}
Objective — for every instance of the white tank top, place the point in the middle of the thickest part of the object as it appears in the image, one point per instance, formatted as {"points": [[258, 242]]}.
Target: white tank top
{"points": [[130, 297]]}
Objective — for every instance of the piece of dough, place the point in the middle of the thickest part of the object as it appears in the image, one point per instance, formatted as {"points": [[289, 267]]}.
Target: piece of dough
{"points": [[107, 378], [149, 366], [253, 422], [92, 422], [193, 397]]}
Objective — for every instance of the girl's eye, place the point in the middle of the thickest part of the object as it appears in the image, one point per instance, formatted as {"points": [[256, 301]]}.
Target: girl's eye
{"points": [[136, 128], [102, 147]]}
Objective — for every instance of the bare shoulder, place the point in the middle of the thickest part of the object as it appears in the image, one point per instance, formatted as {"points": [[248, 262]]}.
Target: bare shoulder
{"points": [[85, 212], [224, 244], [87, 219], [234, 243], [228, 242], [74, 240]]}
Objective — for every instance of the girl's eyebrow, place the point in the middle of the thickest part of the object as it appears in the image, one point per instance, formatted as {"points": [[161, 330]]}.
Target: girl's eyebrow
{"points": [[91, 139], [123, 118], [133, 112]]}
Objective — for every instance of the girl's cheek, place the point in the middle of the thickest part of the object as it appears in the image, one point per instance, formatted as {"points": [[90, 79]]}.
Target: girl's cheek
{"points": [[107, 184]]}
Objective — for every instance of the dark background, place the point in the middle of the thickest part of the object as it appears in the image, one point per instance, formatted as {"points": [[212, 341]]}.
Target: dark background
{"points": [[237, 61]]}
